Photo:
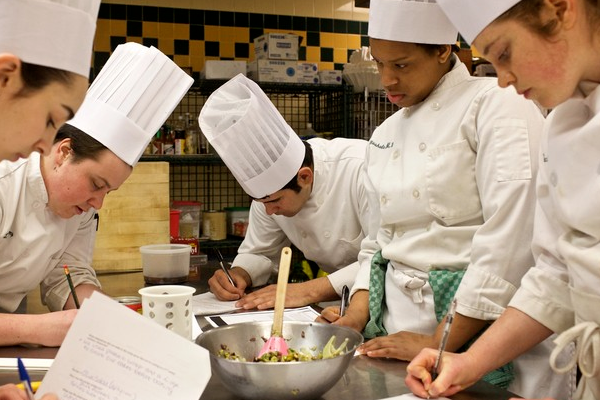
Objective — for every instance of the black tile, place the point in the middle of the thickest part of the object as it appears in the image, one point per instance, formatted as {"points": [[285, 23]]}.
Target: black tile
{"points": [[104, 12], [197, 17], [242, 50], [134, 13], [211, 49], [241, 19], [211, 18], [270, 21], [313, 39], [150, 14], [226, 18], [285, 22], [326, 25], [340, 26], [302, 53], [196, 32], [181, 15], [182, 47], [227, 58], [255, 32], [299, 23], [256, 20], [134, 28], [364, 28], [100, 58], [354, 27], [115, 41], [313, 24], [349, 53], [364, 41], [118, 11], [326, 54], [338, 66], [150, 42], [165, 14]]}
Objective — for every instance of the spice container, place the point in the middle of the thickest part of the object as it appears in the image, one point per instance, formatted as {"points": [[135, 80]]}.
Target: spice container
{"points": [[214, 225], [237, 220], [189, 219]]}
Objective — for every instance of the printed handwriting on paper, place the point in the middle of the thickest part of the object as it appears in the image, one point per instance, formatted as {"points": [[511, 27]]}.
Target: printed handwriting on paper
{"points": [[112, 353]]}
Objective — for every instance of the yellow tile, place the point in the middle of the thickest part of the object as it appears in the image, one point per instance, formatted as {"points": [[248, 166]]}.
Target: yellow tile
{"points": [[150, 29], [103, 27], [340, 55], [166, 45], [340, 40], [165, 30], [353, 41], [135, 39], [118, 28], [181, 60], [181, 31], [197, 63], [226, 49], [211, 33], [327, 39], [241, 35], [102, 38], [325, 65], [313, 54], [226, 34], [197, 48]]}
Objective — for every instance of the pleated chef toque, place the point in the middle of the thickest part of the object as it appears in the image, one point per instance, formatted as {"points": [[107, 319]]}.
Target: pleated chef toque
{"points": [[410, 21], [260, 149], [132, 96], [472, 16], [50, 33]]}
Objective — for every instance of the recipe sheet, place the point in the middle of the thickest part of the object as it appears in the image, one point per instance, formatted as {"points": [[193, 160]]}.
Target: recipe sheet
{"points": [[114, 353], [306, 314]]}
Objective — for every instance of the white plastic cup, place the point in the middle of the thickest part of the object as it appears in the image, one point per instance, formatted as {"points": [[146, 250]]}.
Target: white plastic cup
{"points": [[169, 306], [165, 263]]}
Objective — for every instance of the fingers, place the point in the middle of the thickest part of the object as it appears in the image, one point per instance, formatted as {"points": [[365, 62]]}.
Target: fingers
{"points": [[261, 299], [330, 314], [223, 290]]}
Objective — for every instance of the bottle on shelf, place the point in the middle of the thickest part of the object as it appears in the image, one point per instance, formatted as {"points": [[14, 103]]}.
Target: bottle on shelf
{"points": [[308, 132], [179, 135], [168, 144], [191, 136]]}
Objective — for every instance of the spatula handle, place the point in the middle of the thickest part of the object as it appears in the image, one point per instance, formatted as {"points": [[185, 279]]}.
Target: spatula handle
{"points": [[282, 280]]}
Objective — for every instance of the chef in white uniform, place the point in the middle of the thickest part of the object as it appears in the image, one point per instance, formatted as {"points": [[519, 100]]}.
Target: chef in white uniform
{"points": [[48, 203], [325, 219], [558, 67], [45, 55], [451, 188]]}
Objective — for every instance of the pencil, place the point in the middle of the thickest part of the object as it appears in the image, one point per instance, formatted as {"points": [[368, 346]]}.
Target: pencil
{"points": [[68, 274]]}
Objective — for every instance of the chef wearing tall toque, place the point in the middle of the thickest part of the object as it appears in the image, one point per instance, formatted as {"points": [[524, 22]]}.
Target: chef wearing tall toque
{"points": [[48, 203], [451, 180], [296, 186], [45, 56]]}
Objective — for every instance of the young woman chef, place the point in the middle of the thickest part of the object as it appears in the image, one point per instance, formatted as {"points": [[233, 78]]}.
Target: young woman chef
{"points": [[451, 179], [549, 50], [48, 203], [45, 53]]}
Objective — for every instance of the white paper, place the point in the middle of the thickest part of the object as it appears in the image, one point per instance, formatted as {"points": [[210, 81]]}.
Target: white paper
{"points": [[306, 314], [411, 396], [208, 304], [112, 353]]}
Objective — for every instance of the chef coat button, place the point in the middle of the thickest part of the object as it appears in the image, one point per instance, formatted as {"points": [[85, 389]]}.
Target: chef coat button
{"points": [[553, 179], [395, 154], [36, 204], [383, 199], [303, 234], [416, 194], [435, 106], [406, 111], [327, 234], [422, 147]]}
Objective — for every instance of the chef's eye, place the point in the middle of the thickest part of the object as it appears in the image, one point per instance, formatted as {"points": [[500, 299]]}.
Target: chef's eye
{"points": [[96, 186], [504, 55], [400, 66], [50, 123]]}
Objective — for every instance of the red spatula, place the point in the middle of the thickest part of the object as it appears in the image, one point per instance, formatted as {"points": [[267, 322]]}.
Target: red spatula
{"points": [[276, 342]]}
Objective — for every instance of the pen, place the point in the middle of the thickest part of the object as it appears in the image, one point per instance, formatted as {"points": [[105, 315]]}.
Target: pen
{"points": [[24, 377], [345, 298], [447, 326], [224, 268], [68, 274]]}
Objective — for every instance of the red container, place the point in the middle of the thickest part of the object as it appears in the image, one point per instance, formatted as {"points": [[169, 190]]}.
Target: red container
{"points": [[174, 223]]}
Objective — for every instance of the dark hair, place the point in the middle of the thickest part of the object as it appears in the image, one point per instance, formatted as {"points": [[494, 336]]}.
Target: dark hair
{"points": [[83, 145], [529, 12], [36, 77], [308, 162]]}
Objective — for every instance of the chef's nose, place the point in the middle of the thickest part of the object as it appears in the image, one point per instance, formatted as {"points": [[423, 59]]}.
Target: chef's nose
{"points": [[506, 78], [270, 208], [96, 201], [388, 77], [43, 146]]}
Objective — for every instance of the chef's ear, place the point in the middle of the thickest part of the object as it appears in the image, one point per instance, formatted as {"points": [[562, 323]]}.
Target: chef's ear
{"points": [[10, 72], [305, 176], [64, 150]]}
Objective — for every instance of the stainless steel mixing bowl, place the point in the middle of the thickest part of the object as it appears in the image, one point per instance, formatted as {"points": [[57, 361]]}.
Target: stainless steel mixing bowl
{"points": [[278, 381]]}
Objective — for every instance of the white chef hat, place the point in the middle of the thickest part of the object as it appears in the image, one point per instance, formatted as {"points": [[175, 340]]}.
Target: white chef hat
{"points": [[51, 33], [410, 21], [472, 16], [132, 96], [260, 149]]}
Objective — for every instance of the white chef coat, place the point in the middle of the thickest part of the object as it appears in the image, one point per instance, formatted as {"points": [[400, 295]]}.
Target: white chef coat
{"points": [[328, 229], [35, 243], [451, 184], [563, 289]]}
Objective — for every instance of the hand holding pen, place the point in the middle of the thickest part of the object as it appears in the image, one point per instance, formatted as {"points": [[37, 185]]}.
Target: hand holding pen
{"points": [[222, 264], [24, 377], [444, 341], [345, 300]]}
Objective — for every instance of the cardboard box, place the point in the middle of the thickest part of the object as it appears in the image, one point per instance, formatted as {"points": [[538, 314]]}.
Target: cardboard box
{"points": [[283, 71], [276, 46], [330, 77], [222, 69]]}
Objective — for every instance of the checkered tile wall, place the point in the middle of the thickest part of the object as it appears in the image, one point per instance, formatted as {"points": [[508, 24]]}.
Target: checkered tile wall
{"points": [[191, 37]]}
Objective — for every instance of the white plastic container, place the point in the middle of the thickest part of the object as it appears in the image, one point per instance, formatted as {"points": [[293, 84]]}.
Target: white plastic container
{"points": [[190, 218], [166, 263], [237, 220]]}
